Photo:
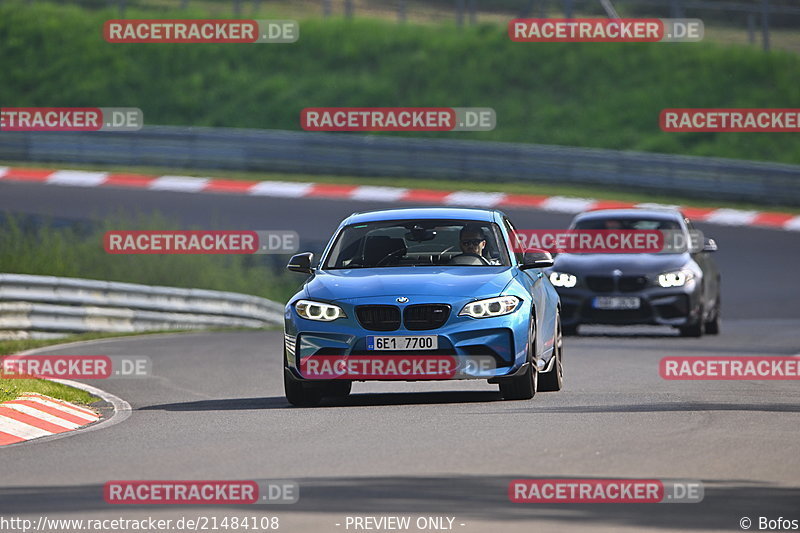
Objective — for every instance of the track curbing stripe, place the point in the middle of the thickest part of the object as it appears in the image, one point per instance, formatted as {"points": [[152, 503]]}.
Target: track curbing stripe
{"points": [[292, 189]]}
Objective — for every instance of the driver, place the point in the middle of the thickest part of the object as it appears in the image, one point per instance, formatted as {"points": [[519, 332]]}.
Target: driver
{"points": [[472, 241]]}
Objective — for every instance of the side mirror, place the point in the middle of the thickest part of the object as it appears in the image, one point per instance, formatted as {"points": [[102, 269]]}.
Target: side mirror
{"points": [[710, 245], [536, 258], [301, 263]]}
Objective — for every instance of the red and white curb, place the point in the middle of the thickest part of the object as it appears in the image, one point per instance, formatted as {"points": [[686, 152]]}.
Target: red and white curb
{"points": [[32, 416], [286, 189]]}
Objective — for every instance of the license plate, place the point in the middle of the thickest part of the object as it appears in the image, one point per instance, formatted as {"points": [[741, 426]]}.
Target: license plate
{"points": [[398, 342], [617, 302]]}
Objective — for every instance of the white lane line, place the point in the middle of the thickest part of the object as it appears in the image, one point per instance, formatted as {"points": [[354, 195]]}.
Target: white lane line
{"points": [[41, 415], [484, 199], [77, 178], [792, 224], [178, 183], [378, 194], [20, 429], [731, 217], [567, 204], [283, 189], [61, 407]]}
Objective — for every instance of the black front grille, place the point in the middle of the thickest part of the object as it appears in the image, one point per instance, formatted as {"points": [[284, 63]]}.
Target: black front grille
{"points": [[632, 283], [379, 317], [600, 283], [621, 284], [425, 316]]}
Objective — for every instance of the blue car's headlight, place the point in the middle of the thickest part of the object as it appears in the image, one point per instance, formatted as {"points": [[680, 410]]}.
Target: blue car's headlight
{"points": [[318, 310], [497, 306], [675, 279]]}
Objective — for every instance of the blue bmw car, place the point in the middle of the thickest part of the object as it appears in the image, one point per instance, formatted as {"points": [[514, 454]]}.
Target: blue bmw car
{"points": [[425, 284]]}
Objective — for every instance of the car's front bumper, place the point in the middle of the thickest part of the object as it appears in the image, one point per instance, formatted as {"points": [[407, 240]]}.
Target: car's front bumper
{"points": [[677, 306], [500, 340]]}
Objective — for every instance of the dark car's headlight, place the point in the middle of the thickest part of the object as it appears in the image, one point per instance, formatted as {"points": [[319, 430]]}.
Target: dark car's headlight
{"points": [[318, 310], [497, 306], [676, 278], [562, 279]]}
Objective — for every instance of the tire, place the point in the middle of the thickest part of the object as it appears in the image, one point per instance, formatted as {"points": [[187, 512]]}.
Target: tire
{"points": [[553, 381], [299, 394], [694, 330], [712, 326], [338, 389], [523, 386]]}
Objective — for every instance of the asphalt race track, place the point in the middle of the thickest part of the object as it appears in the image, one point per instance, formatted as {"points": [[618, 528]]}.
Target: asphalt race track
{"points": [[215, 409]]}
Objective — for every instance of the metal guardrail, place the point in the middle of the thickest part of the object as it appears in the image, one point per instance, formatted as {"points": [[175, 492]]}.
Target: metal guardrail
{"points": [[374, 155], [41, 306]]}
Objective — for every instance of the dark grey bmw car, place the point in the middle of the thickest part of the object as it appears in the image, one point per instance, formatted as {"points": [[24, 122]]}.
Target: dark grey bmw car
{"points": [[679, 289]]}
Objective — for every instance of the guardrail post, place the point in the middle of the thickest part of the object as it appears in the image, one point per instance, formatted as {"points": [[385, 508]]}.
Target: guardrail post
{"points": [[459, 13], [751, 28], [675, 9], [401, 11], [765, 23], [473, 12], [326, 8], [568, 9], [348, 9]]}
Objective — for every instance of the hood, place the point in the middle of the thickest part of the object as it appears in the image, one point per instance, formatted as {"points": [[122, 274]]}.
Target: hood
{"points": [[629, 264], [406, 281]]}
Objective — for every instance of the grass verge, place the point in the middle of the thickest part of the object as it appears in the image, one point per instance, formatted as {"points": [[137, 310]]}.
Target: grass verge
{"points": [[602, 95]]}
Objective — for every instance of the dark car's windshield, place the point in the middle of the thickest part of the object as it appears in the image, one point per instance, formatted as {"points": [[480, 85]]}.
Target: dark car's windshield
{"points": [[627, 223], [418, 243]]}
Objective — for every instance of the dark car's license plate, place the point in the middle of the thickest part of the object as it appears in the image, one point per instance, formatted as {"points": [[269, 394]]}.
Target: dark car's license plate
{"points": [[617, 302]]}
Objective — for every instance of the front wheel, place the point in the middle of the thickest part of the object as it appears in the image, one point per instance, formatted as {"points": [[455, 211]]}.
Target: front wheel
{"points": [[298, 393], [554, 380], [712, 326], [523, 386]]}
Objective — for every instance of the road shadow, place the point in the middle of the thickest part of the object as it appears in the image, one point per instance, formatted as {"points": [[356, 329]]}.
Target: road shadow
{"points": [[465, 497], [659, 408], [354, 400]]}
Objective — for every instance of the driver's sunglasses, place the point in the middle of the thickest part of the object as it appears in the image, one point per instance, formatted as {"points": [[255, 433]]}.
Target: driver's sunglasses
{"points": [[472, 242]]}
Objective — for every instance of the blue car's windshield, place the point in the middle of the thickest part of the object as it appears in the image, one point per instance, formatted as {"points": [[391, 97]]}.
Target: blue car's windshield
{"points": [[418, 243]]}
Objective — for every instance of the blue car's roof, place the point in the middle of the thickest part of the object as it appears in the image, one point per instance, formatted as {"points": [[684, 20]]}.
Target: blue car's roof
{"points": [[455, 213]]}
